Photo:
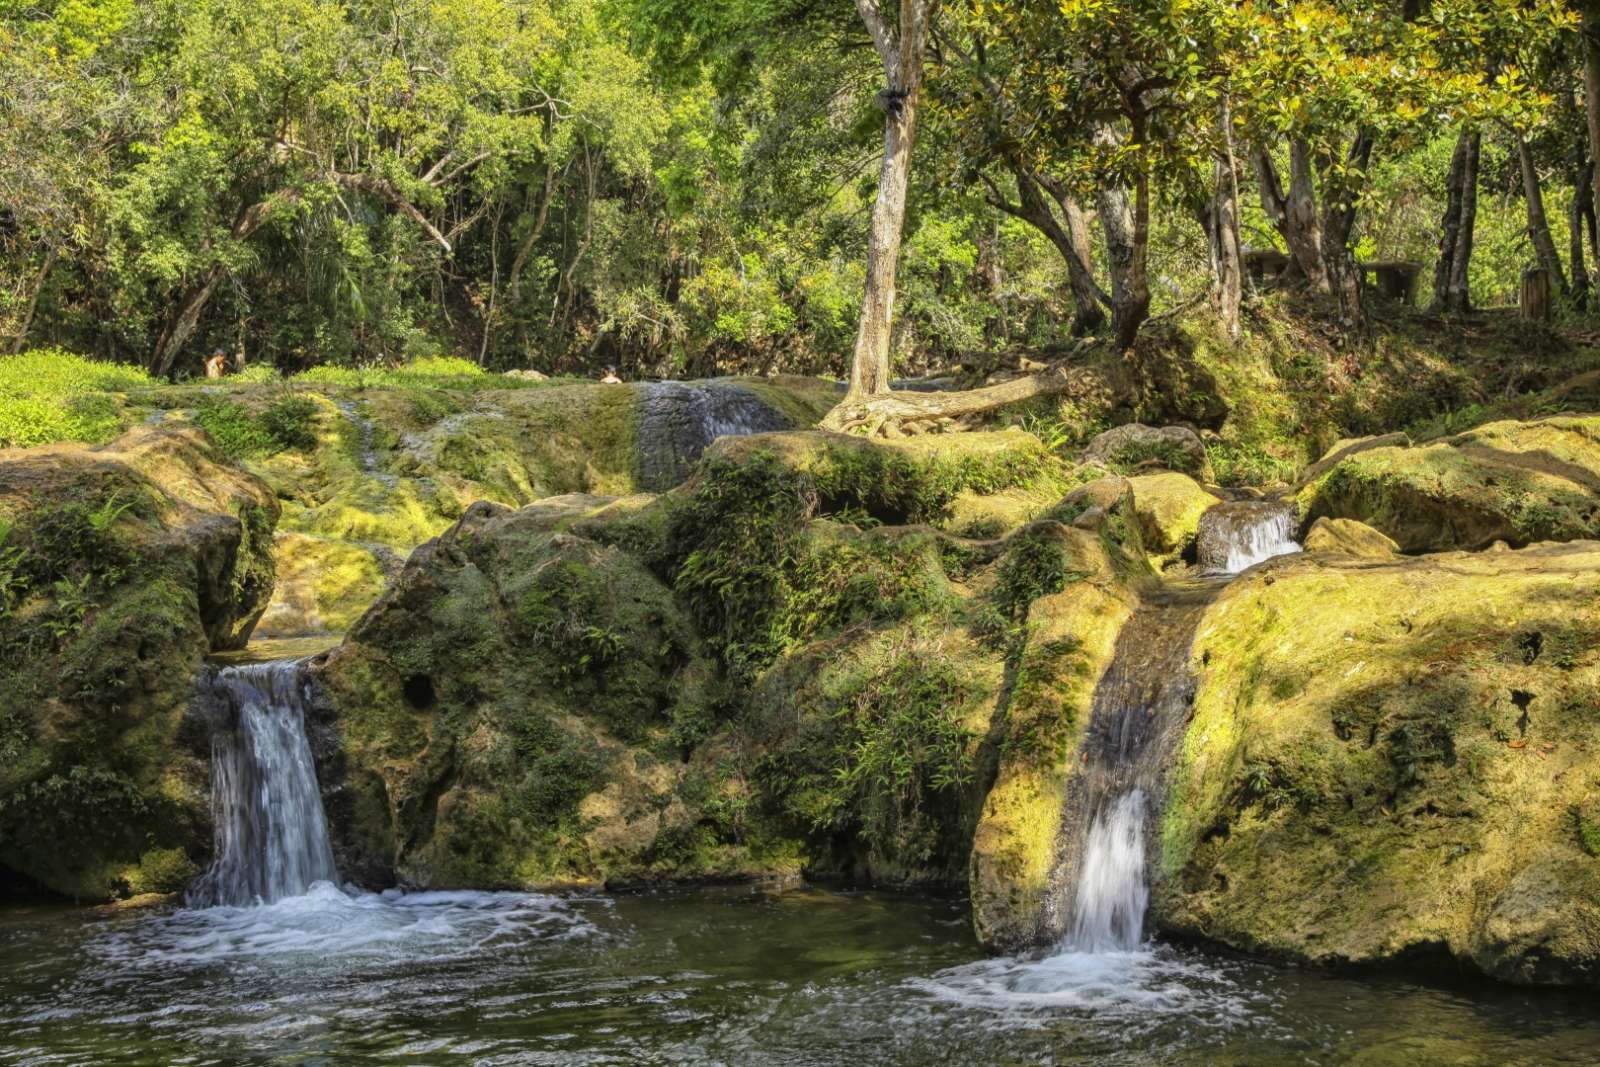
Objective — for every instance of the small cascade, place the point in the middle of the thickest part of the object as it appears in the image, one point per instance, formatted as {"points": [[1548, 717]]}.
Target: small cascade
{"points": [[271, 835], [1112, 894], [680, 420], [1100, 891], [1236, 535]]}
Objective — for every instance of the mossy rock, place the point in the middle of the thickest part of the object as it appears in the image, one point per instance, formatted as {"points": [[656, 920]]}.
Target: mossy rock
{"points": [[120, 567], [1068, 644], [1384, 761], [324, 585], [1349, 538], [1517, 482], [1167, 506]]}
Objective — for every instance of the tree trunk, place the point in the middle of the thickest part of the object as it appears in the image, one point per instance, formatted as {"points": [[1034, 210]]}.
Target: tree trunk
{"points": [[1460, 284], [1303, 232], [1125, 221], [1544, 245], [1072, 241], [1589, 42], [33, 300], [1450, 291], [1582, 194], [182, 322], [1221, 219], [901, 47]]}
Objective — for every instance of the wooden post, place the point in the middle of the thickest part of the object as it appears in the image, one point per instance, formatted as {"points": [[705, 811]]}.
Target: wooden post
{"points": [[1536, 294]]}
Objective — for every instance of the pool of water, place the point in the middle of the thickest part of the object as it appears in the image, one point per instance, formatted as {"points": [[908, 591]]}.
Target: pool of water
{"points": [[714, 976]]}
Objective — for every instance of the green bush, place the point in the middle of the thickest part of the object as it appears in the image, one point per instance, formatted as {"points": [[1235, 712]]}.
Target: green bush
{"points": [[288, 423]]}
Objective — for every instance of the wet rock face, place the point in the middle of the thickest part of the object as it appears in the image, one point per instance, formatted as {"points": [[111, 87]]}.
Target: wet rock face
{"points": [[679, 420], [1136, 448], [1393, 758], [1239, 534]]}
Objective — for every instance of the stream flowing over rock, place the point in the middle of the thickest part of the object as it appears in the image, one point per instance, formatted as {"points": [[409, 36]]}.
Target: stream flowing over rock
{"points": [[679, 420], [1237, 535]]}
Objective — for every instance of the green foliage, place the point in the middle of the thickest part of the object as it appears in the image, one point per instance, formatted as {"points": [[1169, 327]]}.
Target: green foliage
{"points": [[243, 433], [1587, 831], [49, 395], [901, 748]]}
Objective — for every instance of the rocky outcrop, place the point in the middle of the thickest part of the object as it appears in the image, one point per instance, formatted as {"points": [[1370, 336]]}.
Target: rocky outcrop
{"points": [[1349, 538], [1518, 482], [120, 567], [1392, 760], [1138, 449], [1167, 507], [784, 664]]}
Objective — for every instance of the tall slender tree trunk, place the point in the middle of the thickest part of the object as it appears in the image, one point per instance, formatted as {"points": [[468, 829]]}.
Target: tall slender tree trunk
{"points": [[1450, 289], [901, 46], [1125, 221], [1221, 221], [1338, 222], [1589, 43], [43, 276], [1544, 245]]}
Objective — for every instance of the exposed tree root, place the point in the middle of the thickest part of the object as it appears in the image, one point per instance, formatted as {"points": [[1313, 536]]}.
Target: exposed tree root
{"points": [[891, 414]]}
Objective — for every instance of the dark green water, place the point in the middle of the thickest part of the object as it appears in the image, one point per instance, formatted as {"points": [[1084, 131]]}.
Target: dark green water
{"points": [[728, 976]]}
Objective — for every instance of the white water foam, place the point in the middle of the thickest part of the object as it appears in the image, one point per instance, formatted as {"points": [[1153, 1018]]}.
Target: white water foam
{"points": [[1237, 535], [330, 924]]}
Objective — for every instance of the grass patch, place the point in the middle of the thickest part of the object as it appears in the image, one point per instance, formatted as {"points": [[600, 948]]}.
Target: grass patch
{"points": [[49, 395]]}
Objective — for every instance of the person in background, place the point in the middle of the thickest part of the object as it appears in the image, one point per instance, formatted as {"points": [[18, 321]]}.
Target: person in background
{"points": [[611, 377], [217, 365]]}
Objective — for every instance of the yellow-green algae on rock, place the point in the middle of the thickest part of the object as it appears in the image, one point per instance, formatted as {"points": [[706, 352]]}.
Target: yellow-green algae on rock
{"points": [[1517, 482], [1396, 760]]}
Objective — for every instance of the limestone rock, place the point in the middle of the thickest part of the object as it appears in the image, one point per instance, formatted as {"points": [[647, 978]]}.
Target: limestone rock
{"points": [[1384, 760], [1349, 537], [122, 565], [1518, 482], [1135, 448]]}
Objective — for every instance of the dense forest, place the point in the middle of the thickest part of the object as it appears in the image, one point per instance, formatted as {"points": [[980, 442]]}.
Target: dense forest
{"points": [[693, 187]]}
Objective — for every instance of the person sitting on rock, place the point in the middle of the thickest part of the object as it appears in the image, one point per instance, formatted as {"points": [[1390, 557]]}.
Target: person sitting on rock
{"points": [[217, 365], [611, 377]]}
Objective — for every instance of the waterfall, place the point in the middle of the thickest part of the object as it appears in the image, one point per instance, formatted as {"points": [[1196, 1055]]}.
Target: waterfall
{"points": [[1112, 894], [1100, 893], [1238, 534], [271, 835], [680, 420]]}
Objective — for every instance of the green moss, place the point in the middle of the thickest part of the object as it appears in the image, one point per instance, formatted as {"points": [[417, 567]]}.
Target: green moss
{"points": [[1587, 831], [162, 870]]}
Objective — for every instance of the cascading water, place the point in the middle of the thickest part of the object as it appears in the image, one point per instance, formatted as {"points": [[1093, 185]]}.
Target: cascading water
{"points": [[680, 420], [271, 835], [1112, 894], [1100, 889], [1236, 535]]}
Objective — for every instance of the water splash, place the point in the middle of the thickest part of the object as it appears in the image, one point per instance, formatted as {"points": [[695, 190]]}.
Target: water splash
{"points": [[271, 835], [1236, 535], [1112, 895]]}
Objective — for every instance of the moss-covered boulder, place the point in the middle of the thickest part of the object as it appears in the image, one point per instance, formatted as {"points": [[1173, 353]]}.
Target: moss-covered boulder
{"points": [[120, 567], [1167, 507], [1518, 482], [1395, 761], [784, 664], [324, 584], [1350, 538], [1139, 449]]}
